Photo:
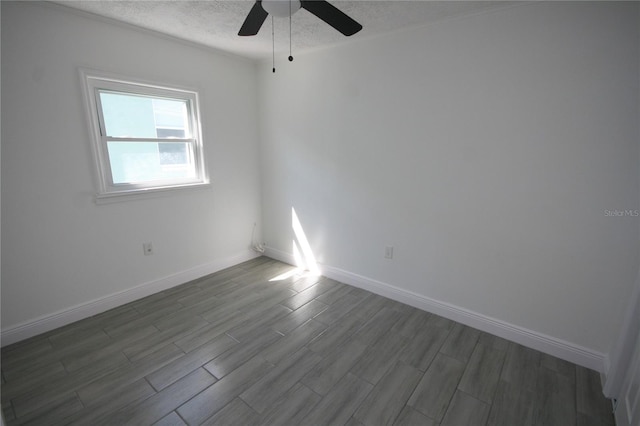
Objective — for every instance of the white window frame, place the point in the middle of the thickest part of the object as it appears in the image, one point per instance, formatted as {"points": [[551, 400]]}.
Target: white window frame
{"points": [[93, 82]]}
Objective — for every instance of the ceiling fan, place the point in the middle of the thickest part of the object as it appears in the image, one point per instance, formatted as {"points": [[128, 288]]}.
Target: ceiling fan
{"points": [[321, 8]]}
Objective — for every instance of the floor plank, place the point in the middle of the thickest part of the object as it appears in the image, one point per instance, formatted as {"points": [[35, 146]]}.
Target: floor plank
{"points": [[465, 410], [512, 406], [340, 403], [481, 376], [292, 407], [389, 396], [266, 391], [555, 399], [590, 400], [324, 375], [439, 383], [460, 342], [237, 412], [521, 366], [172, 419], [412, 417], [379, 357]]}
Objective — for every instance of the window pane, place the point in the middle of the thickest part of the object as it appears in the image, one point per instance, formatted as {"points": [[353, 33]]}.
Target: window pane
{"points": [[138, 162], [136, 116], [170, 133], [171, 115], [173, 153]]}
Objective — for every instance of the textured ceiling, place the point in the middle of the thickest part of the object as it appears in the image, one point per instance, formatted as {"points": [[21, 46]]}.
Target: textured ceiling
{"points": [[215, 23]]}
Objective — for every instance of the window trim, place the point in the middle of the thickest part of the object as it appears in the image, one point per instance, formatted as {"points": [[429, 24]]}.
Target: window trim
{"points": [[92, 82]]}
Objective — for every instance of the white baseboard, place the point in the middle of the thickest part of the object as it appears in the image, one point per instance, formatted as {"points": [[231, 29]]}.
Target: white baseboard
{"points": [[529, 338], [46, 323]]}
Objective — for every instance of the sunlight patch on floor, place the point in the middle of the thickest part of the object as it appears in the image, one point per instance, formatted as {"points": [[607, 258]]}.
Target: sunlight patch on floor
{"points": [[303, 255]]}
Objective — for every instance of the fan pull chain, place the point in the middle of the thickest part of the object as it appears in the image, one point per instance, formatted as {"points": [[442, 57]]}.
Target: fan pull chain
{"points": [[273, 46], [290, 56]]}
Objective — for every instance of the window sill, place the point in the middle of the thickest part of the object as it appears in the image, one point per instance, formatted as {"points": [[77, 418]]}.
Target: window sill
{"points": [[142, 194]]}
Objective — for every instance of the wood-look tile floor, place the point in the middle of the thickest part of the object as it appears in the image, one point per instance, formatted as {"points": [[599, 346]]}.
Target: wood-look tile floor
{"points": [[251, 346]]}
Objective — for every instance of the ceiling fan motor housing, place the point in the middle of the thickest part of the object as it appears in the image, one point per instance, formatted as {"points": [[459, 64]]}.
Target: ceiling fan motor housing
{"points": [[281, 8]]}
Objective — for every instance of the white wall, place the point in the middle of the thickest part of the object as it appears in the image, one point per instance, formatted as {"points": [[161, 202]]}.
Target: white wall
{"points": [[485, 149], [61, 250]]}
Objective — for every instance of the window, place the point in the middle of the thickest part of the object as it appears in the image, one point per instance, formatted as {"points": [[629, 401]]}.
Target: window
{"points": [[147, 138]]}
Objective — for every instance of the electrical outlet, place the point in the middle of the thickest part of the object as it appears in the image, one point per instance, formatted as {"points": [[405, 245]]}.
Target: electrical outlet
{"points": [[147, 248], [388, 252]]}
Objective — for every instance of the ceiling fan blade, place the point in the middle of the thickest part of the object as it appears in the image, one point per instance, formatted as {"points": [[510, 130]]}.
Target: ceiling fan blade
{"points": [[332, 16], [254, 20]]}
